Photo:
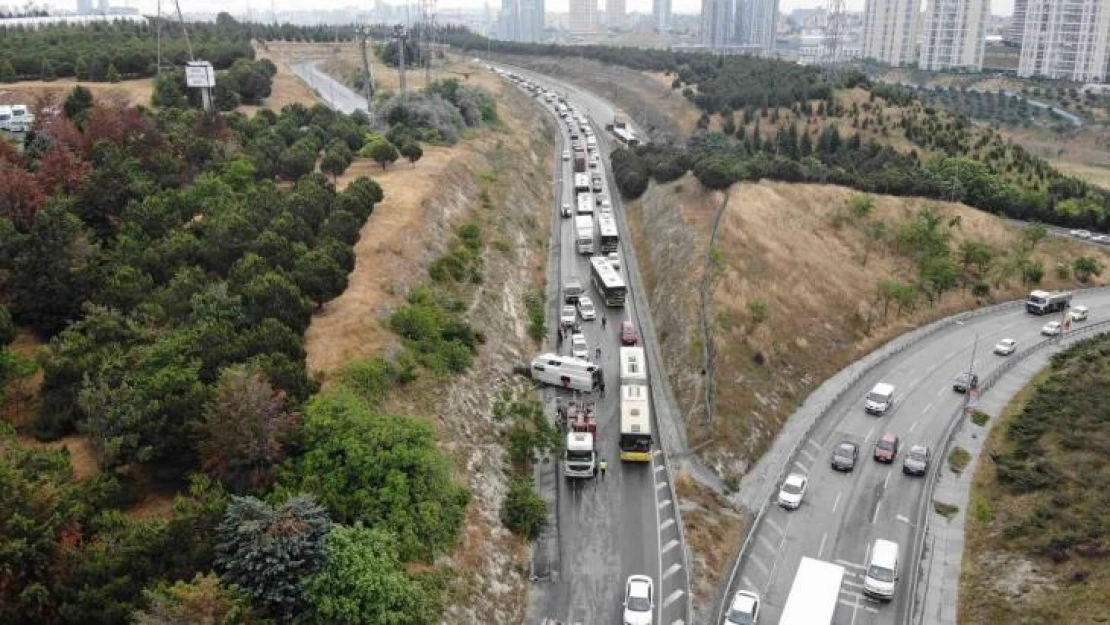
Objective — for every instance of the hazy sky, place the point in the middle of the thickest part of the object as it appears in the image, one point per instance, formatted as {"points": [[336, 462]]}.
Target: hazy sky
{"points": [[998, 7]]}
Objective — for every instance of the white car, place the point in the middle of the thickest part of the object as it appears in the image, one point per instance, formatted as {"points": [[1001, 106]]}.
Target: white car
{"points": [[606, 207], [615, 260], [568, 315], [566, 155], [1005, 347], [639, 600], [578, 348], [1052, 328], [566, 210], [586, 308], [1078, 313], [792, 491], [744, 609], [1101, 238], [1081, 234]]}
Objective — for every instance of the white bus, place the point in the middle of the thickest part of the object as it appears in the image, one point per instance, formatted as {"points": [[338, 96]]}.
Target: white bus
{"points": [[610, 237], [633, 366], [608, 282], [626, 137], [814, 594], [635, 441], [567, 372], [585, 204], [584, 233], [581, 182]]}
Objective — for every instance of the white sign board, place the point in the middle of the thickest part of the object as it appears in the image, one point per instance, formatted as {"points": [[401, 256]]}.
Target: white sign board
{"points": [[200, 74]]}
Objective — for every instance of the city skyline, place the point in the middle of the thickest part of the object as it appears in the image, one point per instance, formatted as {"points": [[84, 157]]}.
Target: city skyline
{"points": [[997, 7]]}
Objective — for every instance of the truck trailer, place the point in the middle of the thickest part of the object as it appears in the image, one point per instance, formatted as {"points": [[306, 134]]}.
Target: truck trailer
{"points": [[582, 183], [1044, 302], [814, 593], [584, 233], [579, 160]]}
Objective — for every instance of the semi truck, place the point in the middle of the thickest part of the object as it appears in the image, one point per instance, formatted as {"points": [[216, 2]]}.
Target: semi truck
{"points": [[580, 423], [581, 183], [585, 204], [1044, 302], [584, 233], [579, 160], [814, 593]]}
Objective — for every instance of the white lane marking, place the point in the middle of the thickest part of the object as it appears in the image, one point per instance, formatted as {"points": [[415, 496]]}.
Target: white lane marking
{"points": [[855, 611], [660, 467], [672, 570], [821, 549], [878, 507], [903, 518], [664, 503], [746, 582], [666, 524], [674, 596], [800, 466], [670, 545], [853, 584], [658, 452], [927, 407], [869, 433], [805, 453], [774, 525], [853, 565], [836, 503], [810, 441], [754, 559], [942, 391], [767, 543], [660, 485], [914, 425], [886, 482]]}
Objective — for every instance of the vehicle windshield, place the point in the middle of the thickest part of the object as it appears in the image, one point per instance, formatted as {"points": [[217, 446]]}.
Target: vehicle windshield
{"points": [[917, 456], [1037, 300], [580, 455], [877, 398], [639, 604], [887, 445], [881, 574], [844, 451], [791, 489], [740, 618]]}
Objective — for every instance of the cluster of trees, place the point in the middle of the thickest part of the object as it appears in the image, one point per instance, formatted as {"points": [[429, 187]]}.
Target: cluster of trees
{"points": [[245, 82], [109, 51], [993, 106], [173, 279]]}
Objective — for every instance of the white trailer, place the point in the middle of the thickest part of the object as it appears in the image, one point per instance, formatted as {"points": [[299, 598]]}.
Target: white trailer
{"points": [[566, 372], [814, 594], [584, 233], [581, 182], [585, 204]]}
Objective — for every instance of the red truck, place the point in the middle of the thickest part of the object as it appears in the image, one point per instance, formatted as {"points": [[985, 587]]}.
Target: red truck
{"points": [[579, 161]]}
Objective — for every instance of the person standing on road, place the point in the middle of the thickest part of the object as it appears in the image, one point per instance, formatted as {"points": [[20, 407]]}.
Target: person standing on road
{"points": [[603, 321], [597, 354], [604, 466]]}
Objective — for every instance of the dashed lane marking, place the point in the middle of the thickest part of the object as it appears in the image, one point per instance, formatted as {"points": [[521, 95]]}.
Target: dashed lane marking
{"points": [[804, 452], [903, 518], [666, 524], [800, 465], [851, 565], [927, 408], [674, 568], [836, 503], [774, 526], [674, 596], [670, 545], [746, 582], [664, 503], [660, 485], [810, 441], [754, 559], [767, 543], [660, 467]]}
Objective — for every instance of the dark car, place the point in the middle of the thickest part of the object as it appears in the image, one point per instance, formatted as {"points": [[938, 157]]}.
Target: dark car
{"points": [[916, 461], [844, 456], [965, 382], [629, 335], [886, 448]]}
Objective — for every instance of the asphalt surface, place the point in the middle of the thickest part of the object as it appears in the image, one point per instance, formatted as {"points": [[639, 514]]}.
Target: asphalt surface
{"points": [[843, 513], [623, 524], [338, 95]]}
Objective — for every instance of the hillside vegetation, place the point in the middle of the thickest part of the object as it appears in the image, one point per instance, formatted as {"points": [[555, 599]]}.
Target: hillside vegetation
{"points": [[1038, 536]]}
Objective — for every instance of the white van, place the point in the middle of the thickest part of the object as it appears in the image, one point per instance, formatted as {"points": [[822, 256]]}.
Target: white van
{"points": [[882, 570], [880, 399]]}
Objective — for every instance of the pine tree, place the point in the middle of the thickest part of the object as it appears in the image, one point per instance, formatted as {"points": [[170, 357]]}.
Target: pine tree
{"points": [[81, 69], [48, 72], [113, 74], [7, 72]]}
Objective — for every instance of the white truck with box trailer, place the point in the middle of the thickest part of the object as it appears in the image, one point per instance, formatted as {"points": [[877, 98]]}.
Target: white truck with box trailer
{"points": [[814, 594], [584, 233], [585, 204], [581, 182], [580, 422]]}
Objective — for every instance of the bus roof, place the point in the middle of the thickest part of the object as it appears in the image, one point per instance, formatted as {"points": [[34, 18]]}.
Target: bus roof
{"points": [[635, 410], [814, 594], [607, 225], [603, 269], [633, 365]]}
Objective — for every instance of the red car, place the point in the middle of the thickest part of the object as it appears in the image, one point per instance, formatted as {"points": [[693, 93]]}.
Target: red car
{"points": [[629, 335]]}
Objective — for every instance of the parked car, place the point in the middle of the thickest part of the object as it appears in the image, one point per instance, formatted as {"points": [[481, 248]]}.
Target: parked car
{"points": [[844, 456], [793, 490], [1052, 328], [566, 155], [886, 448], [1100, 238], [578, 347], [586, 308], [639, 600], [1080, 234], [566, 210], [568, 315], [629, 335], [1005, 347], [1078, 313], [916, 461], [615, 260], [965, 382], [744, 609]]}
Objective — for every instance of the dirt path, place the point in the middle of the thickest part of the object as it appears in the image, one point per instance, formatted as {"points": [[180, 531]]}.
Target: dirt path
{"points": [[30, 91]]}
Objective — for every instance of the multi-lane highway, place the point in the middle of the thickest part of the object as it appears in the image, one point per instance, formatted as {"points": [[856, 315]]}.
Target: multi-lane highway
{"points": [[844, 513], [625, 524]]}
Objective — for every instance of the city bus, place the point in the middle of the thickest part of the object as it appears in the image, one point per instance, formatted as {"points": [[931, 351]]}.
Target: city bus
{"points": [[633, 366], [610, 238], [635, 442], [608, 282]]}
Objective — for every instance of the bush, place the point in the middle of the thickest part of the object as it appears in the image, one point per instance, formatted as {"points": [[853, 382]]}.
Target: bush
{"points": [[958, 459], [524, 511], [419, 111]]}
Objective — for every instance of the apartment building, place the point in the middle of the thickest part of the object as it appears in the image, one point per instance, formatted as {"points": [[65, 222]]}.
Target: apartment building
{"points": [[661, 14], [1014, 33], [583, 16], [955, 34], [889, 31], [716, 23], [521, 20], [1066, 39], [616, 13], [756, 23]]}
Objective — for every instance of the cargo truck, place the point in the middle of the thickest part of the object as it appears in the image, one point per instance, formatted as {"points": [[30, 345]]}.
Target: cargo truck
{"points": [[584, 233], [814, 595], [1044, 302], [581, 183], [579, 160], [580, 423]]}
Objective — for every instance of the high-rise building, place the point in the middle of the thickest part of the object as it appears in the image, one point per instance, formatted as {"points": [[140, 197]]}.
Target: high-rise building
{"points": [[889, 31], [955, 34], [755, 23], [104, 7], [84, 7], [521, 20], [616, 12], [1014, 33], [1066, 39], [661, 14], [583, 16], [716, 23]]}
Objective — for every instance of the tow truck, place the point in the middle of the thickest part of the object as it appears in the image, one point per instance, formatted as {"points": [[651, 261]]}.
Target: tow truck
{"points": [[578, 419]]}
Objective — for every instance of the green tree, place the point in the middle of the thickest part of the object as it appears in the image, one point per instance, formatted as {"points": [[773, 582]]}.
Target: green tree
{"points": [[1034, 234], [319, 276], [861, 206], [168, 92], [940, 274], [412, 151], [203, 601], [715, 172], [48, 72], [274, 295], [363, 582], [78, 103], [1085, 267], [383, 152], [333, 164], [524, 511], [7, 72], [112, 74], [224, 96], [974, 253], [270, 552], [81, 69], [380, 470]]}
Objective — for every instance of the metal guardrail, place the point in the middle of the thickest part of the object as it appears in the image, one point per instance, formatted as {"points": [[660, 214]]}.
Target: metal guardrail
{"points": [[955, 421], [877, 358]]}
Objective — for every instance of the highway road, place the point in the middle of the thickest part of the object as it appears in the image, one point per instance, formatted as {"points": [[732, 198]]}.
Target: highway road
{"points": [[338, 95], [623, 524], [843, 513]]}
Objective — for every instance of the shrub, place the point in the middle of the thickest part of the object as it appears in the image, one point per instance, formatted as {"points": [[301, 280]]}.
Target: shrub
{"points": [[958, 459], [524, 511]]}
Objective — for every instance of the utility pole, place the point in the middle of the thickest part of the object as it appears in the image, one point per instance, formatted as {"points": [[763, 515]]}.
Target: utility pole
{"points": [[834, 31], [367, 76], [401, 34]]}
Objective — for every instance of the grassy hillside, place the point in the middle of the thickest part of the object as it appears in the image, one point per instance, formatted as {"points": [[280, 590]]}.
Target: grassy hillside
{"points": [[1038, 533]]}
